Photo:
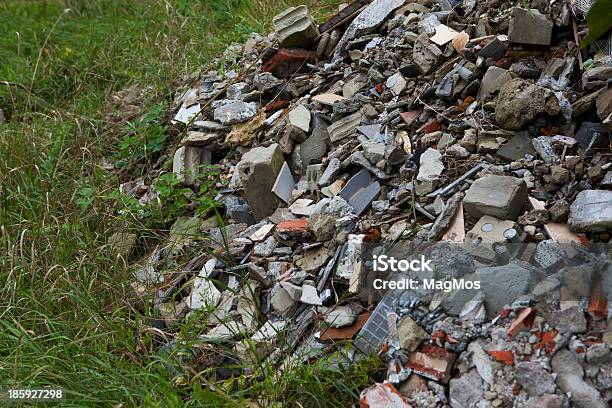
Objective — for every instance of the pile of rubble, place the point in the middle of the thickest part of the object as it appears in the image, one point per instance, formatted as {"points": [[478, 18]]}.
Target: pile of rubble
{"points": [[476, 133]]}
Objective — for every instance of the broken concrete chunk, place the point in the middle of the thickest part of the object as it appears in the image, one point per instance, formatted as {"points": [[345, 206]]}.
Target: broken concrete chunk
{"points": [[517, 147], [570, 380], [233, 112], [300, 118], [295, 27], [410, 334], [591, 211], [258, 171], [466, 391], [383, 395], [341, 316], [327, 99], [426, 55], [492, 81], [502, 285], [323, 226], [534, 378], [430, 165], [519, 102], [330, 173], [529, 27], [310, 296], [189, 161], [367, 21], [315, 147], [502, 197], [204, 294], [285, 299]]}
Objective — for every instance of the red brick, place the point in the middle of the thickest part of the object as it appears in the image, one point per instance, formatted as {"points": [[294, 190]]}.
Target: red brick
{"points": [[432, 362], [383, 395], [276, 105], [523, 321], [503, 356], [293, 226], [598, 306]]}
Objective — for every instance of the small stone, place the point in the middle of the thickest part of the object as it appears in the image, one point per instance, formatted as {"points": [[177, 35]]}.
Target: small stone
{"points": [[410, 334], [559, 174], [310, 296], [323, 226], [235, 112], [559, 211], [396, 83], [534, 378], [341, 316]]}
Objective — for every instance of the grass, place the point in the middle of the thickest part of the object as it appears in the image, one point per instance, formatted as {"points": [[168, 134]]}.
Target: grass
{"points": [[65, 316]]}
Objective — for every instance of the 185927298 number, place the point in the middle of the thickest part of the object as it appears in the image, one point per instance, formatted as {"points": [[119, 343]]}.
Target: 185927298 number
{"points": [[32, 394]]}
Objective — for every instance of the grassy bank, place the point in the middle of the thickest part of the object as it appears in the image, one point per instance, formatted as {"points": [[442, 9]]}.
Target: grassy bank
{"points": [[64, 318]]}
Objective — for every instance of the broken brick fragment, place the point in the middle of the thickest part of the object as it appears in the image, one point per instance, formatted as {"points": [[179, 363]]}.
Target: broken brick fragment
{"points": [[348, 332], [287, 62], [598, 306], [276, 105], [383, 395], [523, 321], [503, 356], [432, 362], [432, 127], [293, 226], [409, 117]]}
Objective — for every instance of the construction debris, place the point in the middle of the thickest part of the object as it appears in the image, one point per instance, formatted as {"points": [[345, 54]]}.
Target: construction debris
{"points": [[464, 135]]}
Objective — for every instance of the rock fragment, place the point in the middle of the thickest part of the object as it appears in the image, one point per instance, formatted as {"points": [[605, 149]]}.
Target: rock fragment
{"points": [[295, 27], [502, 197], [591, 211], [258, 170]]}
